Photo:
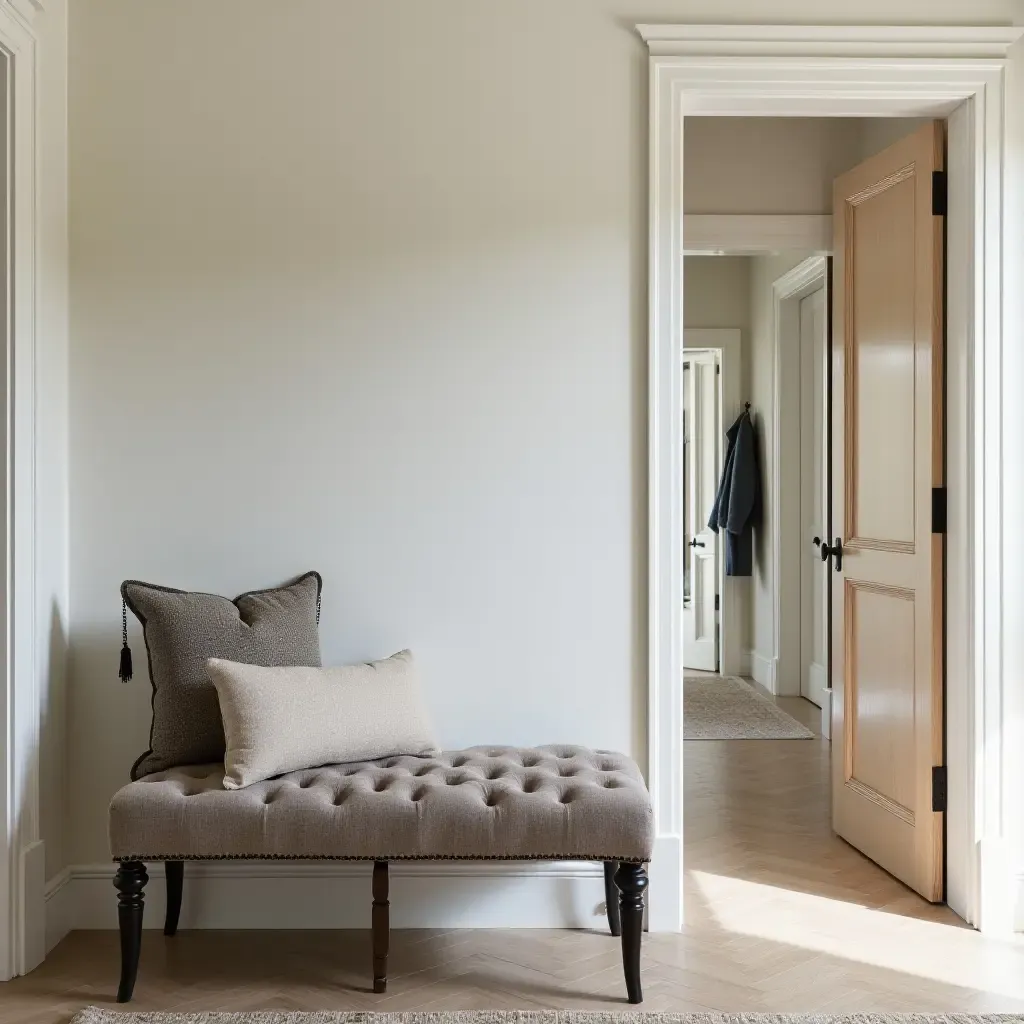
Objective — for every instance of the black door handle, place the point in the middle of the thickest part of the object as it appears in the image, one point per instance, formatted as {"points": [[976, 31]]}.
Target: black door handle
{"points": [[696, 543], [836, 549]]}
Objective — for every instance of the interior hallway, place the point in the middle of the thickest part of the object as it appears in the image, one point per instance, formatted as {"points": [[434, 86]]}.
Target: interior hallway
{"points": [[781, 917]]}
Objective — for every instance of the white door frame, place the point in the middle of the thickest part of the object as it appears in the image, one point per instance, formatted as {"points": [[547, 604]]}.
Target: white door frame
{"points": [[22, 865], [854, 71], [787, 542], [728, 342]]}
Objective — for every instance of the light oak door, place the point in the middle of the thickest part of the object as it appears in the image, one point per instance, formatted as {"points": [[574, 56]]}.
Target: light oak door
{"points": [[702, 445], [887, 456]]}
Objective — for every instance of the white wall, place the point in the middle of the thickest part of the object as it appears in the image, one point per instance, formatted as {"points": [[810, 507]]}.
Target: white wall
{"points": [[363, 287], [341, 302]]}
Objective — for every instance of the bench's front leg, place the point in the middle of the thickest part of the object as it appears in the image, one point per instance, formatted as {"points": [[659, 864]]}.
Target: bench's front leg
{"points": [[130, 881], [381, 926], [631, 880]]}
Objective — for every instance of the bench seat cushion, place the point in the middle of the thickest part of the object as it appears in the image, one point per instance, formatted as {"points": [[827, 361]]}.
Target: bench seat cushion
{"points": [[485, 803]]}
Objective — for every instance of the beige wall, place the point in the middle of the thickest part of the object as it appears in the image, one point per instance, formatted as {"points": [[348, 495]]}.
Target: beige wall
{"points": [[363, 287], [52, 429], [766, 164]]}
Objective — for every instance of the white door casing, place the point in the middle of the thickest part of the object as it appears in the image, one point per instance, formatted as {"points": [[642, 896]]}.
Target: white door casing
{"points": [[858, 71], [814, 573], [702, 445]]}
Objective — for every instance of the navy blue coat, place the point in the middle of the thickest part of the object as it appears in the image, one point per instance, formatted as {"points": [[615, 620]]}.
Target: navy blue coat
{"points": [[738, 502]]}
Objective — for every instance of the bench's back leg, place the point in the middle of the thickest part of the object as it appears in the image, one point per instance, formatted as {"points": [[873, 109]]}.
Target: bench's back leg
{"points": [[381, 926], [611, 896], [174, 871], [130, 882], [631, 880]]}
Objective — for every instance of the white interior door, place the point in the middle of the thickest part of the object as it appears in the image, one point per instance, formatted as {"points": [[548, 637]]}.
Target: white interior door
{"points": [[814, 573], [702, 444]]}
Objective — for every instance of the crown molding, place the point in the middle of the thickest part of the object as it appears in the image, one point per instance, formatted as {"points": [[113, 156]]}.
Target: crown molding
{"points": [[983, 42]]}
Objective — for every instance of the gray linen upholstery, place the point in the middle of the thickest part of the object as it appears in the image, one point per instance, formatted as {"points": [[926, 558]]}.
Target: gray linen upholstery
{"points": [[183, 630], [485, 803]]}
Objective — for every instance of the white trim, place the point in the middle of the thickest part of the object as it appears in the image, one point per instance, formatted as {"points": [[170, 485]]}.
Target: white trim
{"points": [[830, 41], [858, 71], [22, 939], [729, 342], [751, 234], [763, 670], [297, 894], [60, 914], [787, 291]]}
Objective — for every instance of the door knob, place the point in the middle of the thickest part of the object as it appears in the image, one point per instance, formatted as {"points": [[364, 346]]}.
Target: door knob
{"points": [[836, 549], [696, 543]]}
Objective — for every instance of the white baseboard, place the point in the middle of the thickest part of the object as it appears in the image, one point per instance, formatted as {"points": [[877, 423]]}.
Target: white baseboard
{"points": [[59, 908], [762, 670], [1018, 902], [744, 666], [300, 894]]}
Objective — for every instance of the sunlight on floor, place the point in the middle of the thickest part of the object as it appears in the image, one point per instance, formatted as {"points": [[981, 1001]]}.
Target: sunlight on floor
{"points": [[927, 949]]}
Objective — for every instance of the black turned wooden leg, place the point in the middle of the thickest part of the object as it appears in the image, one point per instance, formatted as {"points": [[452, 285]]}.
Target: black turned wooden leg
{"points": [[611, 896], [130, 881], [175, 874], [631, 880], [381, 926]]}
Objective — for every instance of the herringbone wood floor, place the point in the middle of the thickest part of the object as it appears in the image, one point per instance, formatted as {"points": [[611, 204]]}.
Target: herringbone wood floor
{"points": [[781, 916]]}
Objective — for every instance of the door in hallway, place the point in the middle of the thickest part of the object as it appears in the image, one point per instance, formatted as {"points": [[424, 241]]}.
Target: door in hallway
{"points": [[813, 512], [702, 445], [887, 456]]}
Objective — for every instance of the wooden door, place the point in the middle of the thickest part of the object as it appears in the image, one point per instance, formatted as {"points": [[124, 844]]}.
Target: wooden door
{"points": [[813, 500], [887, 456], [702, 443]]}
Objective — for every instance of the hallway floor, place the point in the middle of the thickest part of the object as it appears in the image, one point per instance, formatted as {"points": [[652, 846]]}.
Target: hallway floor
{"points": [[781, 917]]}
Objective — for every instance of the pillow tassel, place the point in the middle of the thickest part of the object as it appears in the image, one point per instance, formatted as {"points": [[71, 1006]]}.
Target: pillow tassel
{"points": [[125, 671]]}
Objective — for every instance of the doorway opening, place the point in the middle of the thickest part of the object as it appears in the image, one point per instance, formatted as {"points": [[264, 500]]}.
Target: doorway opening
{"points": [[780, 632]]}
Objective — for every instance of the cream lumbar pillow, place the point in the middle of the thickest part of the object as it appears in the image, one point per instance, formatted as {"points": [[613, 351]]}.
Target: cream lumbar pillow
{"points": [[279, 720]]}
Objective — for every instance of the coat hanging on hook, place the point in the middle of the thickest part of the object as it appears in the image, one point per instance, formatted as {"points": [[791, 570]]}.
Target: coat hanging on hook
{"points": [[737, 508]]}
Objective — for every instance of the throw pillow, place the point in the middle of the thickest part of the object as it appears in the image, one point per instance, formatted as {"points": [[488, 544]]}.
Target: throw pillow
{"points": [[279, 720], [184, 630]]}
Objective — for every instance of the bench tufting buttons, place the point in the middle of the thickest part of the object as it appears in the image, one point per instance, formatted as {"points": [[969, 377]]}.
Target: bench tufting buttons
{"points": [[340, 797], [419, 794], [568, 797]]}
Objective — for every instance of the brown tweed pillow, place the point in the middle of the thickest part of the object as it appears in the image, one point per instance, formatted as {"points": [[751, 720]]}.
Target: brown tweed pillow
{"points": [[184, 630]]}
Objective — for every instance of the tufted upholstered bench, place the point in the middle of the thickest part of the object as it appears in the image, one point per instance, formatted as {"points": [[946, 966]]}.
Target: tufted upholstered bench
{"points": [[485, 803]]}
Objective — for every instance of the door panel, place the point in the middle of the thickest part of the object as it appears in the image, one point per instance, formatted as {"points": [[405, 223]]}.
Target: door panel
{"points": [[701, 448], [887, 455]]}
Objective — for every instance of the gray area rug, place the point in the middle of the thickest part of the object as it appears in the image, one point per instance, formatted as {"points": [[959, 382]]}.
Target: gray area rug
{"points": [[727, 708], [94, 1015]]}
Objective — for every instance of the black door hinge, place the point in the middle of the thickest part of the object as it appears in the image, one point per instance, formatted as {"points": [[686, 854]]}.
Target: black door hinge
{"points": [[716, 603], [938, 510], [939, 788], [939, 197]]}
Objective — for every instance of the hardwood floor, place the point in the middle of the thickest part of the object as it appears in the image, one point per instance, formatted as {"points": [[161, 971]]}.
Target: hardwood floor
{"points": [[781, 917]]}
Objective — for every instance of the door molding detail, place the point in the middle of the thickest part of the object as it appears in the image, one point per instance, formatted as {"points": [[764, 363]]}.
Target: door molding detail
{"points": [[787, 291], [22, 869], [856, 71]]}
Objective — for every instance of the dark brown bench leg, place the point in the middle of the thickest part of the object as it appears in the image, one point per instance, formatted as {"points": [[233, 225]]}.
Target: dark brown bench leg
{"points": [[611, 896], [381, 926], [631, 880], [174, 871], [130, 881]]}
